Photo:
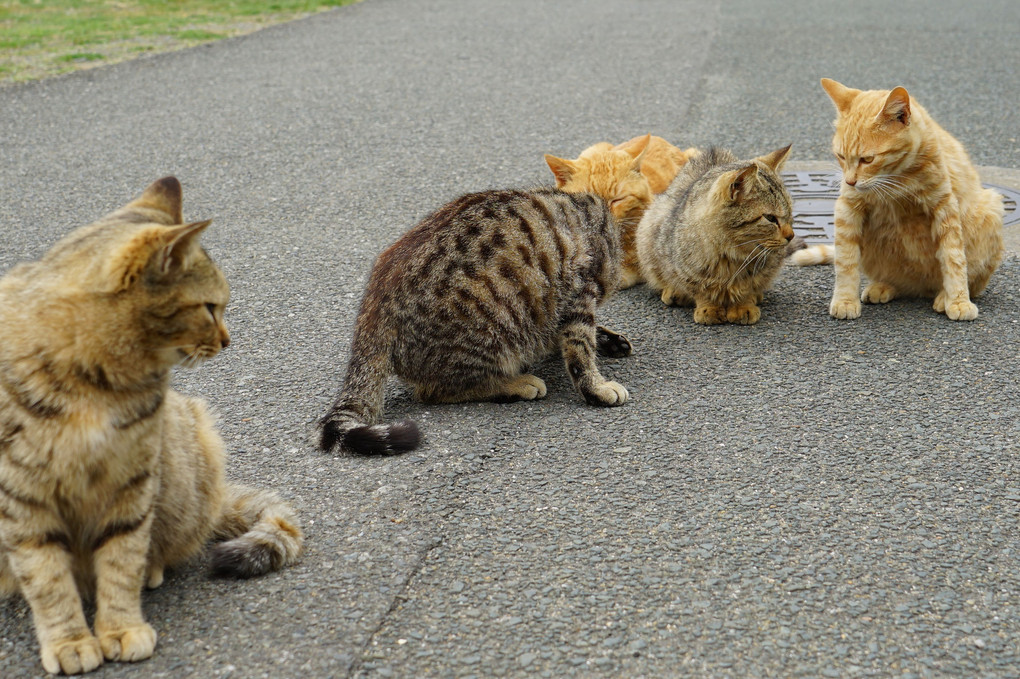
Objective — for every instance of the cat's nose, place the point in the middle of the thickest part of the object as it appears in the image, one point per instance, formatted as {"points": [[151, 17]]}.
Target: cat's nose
{"points": [[224, 339], [787, 232], [852, 181]]}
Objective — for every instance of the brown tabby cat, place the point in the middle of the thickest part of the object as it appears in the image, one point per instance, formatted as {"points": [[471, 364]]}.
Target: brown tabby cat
{"points": [[625, 176], [717, 237], [106, 475], [479, 290], [911, 213]]}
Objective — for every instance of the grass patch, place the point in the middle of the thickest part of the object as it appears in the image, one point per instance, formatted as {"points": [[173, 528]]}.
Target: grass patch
{"points": [[39, 38]]}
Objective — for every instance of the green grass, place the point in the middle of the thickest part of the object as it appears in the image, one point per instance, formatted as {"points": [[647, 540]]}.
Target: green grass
{"points": [[39, 38]]}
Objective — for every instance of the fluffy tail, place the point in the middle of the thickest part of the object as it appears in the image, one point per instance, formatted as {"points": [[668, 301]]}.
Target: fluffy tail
{"points": [[261, 534], [813, 255], [350, 422]]}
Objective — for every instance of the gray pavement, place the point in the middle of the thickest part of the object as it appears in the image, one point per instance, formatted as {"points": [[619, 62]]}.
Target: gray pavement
{"points": [[800, 498]]}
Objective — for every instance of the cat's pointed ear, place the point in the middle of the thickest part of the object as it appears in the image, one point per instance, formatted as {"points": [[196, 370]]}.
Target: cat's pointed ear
{"points": [[740, 181], [562, 169], [777, 158], [163, 195], [158, 250], [637, 148], [173, 246], [841, 95], [896, 107]]}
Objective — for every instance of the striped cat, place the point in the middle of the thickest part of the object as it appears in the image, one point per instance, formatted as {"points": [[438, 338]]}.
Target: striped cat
{"points": [[465, 301], [912, 214], [106, 475], [717, 237]]}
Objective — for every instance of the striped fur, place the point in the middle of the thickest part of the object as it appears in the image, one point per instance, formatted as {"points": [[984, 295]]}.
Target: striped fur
{"points": [[626, 176], [717, 237], [106, 475], [911, 215], [481, 289]]}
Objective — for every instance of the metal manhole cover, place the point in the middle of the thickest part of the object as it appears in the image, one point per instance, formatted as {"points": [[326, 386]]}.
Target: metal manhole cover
{"points": [[814, 198]]}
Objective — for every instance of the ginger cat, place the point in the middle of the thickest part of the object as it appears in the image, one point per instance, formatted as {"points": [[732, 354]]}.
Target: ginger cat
{"points": [[911, 214], [626, 176], [107, 476]]}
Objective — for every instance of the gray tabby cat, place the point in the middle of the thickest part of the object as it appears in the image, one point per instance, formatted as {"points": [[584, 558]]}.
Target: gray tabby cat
{"points": [[465, 301], [718, 235]]}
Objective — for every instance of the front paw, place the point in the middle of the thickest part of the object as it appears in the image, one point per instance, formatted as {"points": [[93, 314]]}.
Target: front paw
{"points": [[129, 644], [962, 311], [743, 315], [709, 315], [72, 656], [609, 343], [845, 308], [607, 394]]}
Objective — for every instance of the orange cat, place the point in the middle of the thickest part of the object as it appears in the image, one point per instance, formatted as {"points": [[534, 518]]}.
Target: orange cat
{"points": [[626, 177], [911, 214]]}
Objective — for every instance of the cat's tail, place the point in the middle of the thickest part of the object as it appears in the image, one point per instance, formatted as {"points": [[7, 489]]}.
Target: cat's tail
{"points": [[351, 422], [260, 533], [813, 255]]}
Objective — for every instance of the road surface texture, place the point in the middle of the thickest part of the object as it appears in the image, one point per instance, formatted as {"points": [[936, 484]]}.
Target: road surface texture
{"points": [[801, 498]]}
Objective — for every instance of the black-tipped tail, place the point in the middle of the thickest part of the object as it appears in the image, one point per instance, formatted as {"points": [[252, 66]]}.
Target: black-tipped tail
{"points": [[375, 439]]}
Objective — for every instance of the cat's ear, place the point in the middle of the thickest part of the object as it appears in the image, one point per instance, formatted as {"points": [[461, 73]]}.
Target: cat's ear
{"points": [[637, 148], [841, 95], [562, 169], [159, 251], [777, 158], [740, 182], [163, 195], [896, 107]]}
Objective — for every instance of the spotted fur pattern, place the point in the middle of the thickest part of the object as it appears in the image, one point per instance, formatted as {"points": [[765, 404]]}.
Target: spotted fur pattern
{"points": [[106, 475], [717, 237], [911, 215], [464, 302]]}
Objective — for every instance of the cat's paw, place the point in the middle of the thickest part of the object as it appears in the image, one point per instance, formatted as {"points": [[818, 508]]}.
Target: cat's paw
{"points": [[878, 293], [962, 311], [154, 576], [845, 308], [129, 644], [709, 315], [527, 388], [743, 315], [667, 296], [72, 656], [608, 394], [611, 344]]}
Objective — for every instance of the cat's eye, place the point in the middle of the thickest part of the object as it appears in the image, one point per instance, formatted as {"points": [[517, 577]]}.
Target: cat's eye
{"points": [[840, 156], [211, 308], [773, 219], [866, 160]]}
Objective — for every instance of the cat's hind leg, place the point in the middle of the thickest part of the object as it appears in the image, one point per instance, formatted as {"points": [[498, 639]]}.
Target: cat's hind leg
{"points": [[612, 344], [500, 388], [878, 293]]}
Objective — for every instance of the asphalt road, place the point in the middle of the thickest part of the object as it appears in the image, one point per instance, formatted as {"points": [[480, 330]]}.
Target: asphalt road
{"points": [[800, 498]]}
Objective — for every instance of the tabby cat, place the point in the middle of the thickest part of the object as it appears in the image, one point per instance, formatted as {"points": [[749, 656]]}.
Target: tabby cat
{"points": [[911, 213], [718, 236], [107, 476], [626, 176], [465, 301]]}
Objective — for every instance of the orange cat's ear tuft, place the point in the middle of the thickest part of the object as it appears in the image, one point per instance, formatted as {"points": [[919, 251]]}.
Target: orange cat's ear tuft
{"points": [[163, 195], [777, 158], [160, 250], [896, 107], [841, 95], [740, 181], [562, 169]]}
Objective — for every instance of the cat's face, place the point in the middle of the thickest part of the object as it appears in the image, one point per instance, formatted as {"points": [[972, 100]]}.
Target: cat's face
{"points": [[613, 175], [139, 278], [873, 137], [755, 212]]}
